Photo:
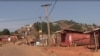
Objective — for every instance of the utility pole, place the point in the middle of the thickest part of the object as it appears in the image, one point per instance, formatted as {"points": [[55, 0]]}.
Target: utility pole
{"points": [[40, 23], [40, 31], [47, 17]]}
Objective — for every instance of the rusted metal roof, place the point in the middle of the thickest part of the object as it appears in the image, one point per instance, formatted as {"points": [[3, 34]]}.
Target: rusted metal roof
{"points": [[71, 30], [93, 30], [87, 32], [68, 30]]}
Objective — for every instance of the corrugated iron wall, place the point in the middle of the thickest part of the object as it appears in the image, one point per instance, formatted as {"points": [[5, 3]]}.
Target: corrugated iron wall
{"points": [[77, 38]]}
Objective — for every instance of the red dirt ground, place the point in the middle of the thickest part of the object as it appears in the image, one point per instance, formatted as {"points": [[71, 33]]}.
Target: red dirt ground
{"points": [[71, 51]]}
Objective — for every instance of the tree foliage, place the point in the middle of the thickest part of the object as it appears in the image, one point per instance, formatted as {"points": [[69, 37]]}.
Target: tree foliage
{"points": [[76, 27], [5, 32], [53, 28]]}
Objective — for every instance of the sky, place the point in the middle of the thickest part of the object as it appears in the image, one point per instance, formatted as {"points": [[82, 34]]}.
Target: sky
{"points": [[16, 14]]}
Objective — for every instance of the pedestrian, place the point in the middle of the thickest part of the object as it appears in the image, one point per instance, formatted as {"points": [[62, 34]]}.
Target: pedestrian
{"points": [[14, 39], [23, 40], [9, 39]]}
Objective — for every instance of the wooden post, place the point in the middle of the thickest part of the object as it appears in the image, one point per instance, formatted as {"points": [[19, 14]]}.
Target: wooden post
{"points": [[90, 41], [99, 39], [95, 40]]}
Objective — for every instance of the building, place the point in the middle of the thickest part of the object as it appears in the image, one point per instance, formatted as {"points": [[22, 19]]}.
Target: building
{"points": [[94, 38], [71, 37]]}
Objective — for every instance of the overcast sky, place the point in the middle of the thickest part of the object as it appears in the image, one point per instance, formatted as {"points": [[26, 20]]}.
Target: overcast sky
{"points": [[15, 14]]}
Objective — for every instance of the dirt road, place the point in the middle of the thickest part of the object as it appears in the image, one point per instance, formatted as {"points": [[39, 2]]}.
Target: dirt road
{"points": [[20, 50], [71, 51]]}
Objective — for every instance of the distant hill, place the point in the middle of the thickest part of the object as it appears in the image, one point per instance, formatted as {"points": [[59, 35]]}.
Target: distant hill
{"points": [[70, 24]]}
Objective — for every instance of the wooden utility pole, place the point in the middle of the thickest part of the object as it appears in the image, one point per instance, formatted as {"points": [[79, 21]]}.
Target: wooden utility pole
{"points": [[40, 31], [47, 17], [40, 23], [95, 40]]}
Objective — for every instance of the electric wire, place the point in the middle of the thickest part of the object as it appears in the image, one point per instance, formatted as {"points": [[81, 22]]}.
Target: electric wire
{"points": [[52, 8]]}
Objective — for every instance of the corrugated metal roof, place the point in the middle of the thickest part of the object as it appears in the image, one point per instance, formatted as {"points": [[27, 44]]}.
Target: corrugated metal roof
{"points": [[71, 30], [93, 30]]}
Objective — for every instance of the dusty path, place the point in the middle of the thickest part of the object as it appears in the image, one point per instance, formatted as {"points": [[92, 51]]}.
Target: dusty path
{"points": [[20, 50]]}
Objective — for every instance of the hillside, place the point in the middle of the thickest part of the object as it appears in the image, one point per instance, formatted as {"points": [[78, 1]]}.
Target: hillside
{"points": [[65, 24]]}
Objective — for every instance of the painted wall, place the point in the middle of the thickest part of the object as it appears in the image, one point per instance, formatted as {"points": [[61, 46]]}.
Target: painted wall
{"points": [[76, 38]]}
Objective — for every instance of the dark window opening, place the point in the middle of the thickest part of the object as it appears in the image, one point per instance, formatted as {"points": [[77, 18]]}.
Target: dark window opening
{"points": [[63, 36]]}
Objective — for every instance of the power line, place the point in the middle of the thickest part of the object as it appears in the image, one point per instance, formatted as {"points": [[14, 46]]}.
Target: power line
{"points": [[53, 7]]}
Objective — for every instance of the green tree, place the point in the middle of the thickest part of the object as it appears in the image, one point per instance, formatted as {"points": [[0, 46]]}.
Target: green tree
{"points": [[6, 32], [53, 28], [44, 27], [37, 26], [0, 32], [76, 27], [94, 25]]}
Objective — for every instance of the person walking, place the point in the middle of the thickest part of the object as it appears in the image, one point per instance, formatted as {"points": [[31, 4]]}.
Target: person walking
{"points": [[14, 39]]}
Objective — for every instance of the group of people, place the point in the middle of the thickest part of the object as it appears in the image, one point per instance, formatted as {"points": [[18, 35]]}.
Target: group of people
{"points": [[8, 39], [15, 39]]}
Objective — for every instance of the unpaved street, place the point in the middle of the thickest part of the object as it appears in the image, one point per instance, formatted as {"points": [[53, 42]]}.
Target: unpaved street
{"points": [[20, 50], [72, 51]]}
